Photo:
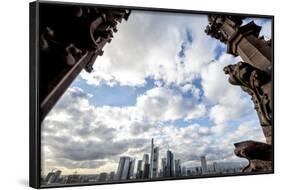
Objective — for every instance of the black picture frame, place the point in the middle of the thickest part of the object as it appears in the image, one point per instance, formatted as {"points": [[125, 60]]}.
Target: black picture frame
{"points": [[34, 90]]}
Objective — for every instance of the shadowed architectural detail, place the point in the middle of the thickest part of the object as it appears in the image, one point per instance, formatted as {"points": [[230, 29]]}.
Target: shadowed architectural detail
{"points": [[258, 154], [254, 75], [71, 38], [258, 85]]}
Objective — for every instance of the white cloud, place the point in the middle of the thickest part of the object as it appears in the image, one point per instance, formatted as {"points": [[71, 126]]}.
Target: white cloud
{"points": [[164, 104], [190, 88], [229, 101], [147, 45]]}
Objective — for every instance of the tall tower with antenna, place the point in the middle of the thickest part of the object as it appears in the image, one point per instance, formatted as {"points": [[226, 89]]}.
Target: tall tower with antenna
{"points": [[151, 159]]}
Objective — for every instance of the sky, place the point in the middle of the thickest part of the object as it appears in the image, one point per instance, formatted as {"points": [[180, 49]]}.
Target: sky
{"points": [[160, 77]]}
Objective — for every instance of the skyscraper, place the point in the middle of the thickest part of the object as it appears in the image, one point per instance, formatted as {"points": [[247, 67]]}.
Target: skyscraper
{"points": [[139, 170], [146, 166], [131, 168], [155, 161], [154, 158], [164, 167], [170, 171], [49, 176], [204, 165], [183, 171], [151, 159], [73, 179], [125, 168], [215, 167], [54, 177], [177, 168]]}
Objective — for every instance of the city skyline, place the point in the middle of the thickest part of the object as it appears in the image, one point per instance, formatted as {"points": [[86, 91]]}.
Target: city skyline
{"points": [[170, 167], [167, 166], [172, 94]]}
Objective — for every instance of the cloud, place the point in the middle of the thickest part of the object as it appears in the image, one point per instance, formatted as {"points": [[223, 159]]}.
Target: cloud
{"points": [[148, 45], [228, 102], [164, 104]]}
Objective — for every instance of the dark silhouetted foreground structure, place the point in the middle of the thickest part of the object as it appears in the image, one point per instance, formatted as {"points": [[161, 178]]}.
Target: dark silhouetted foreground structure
{"points": [[254, 75], [71, 38]]}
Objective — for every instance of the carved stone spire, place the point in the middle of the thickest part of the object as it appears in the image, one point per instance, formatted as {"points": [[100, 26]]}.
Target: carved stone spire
{"points": [[254, 75], [71, 38]]}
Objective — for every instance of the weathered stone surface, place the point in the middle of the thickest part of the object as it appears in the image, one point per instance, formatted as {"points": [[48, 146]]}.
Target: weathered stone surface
{"points": [[259, 86], [70, 39], [254, 75], [258, 154]]}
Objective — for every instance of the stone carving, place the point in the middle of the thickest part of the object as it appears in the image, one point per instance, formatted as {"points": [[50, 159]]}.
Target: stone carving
{"points": [[254, 75], [258, 85], [258, 154], [217, 21], [70, 39]]}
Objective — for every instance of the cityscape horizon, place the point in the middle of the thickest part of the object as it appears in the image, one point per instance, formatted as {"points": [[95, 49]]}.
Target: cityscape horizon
{"points": [[146, 168]]}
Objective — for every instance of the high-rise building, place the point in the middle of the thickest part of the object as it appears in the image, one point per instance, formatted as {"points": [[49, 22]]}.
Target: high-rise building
{"points": [[49, 176], [155, 160], [125, 168], [183, 171], [215, 167], [198, 171], [164, 167], [131, 168], [102, 177], [151, 159], [146, 171], [204, 165], [177, 168], [170, 171], [73, 179], [146, 166], [139, 170], [54, 177]]}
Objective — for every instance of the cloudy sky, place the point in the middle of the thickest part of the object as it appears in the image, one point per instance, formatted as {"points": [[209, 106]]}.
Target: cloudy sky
{"points": [[161, 77]]}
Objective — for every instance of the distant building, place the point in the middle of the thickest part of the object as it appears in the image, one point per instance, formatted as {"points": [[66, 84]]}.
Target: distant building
{"points": [[73, 179], [198, 171], [177, 168], [49, 176], [125, 168], [204, 165], [215, 167], [163, 167], [146, 171], [53, 177], [154, 158], [131, 168], [146, 166], [84, 179], [183, 171], [102, 177], [111, 176], [139, 170], [170, 171]]}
